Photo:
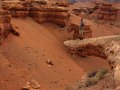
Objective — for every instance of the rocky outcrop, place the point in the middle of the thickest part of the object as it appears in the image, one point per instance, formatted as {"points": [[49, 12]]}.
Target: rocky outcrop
{"points": [[107, 12], [80, 32], [108, 46], [19, 11], [40, 13], [62, 4], [5, 24], [50, 14]]}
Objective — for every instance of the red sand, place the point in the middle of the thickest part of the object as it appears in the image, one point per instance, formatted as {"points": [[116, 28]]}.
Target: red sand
{"points": [[24, 58]]}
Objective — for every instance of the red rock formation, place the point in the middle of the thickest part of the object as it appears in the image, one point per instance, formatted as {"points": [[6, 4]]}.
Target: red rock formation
{"points": [[4, 23], [58, 16], [40, 13], [107, 12], [19, 11], [86, 32], [63, 4]]}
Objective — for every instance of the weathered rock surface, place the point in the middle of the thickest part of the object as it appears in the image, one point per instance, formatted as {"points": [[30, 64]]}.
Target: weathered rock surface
{"points": [[107, 12], [5, 24], [41, 14], [110, 48]]}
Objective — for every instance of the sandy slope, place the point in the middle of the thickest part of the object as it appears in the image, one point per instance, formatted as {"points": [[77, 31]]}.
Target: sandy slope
{"points": [[24, 58], [29, 52]]}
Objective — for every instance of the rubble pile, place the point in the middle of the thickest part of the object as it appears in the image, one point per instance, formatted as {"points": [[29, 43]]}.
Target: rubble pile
{"points": [[107, 12]]}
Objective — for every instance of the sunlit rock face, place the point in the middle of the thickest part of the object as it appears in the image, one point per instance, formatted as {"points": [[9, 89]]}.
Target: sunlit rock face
{"points": [[110, 49]]}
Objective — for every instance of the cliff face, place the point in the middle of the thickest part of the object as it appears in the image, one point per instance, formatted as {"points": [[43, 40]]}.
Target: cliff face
{"points": [[5, 24], [94, 0], [85, 0], [41, 13], [113, 0], [107, 12], [110, 49], [100, 0]]}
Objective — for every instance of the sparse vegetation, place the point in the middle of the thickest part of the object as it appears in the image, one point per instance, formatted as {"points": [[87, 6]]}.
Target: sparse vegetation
{"points": [[92, 78]]}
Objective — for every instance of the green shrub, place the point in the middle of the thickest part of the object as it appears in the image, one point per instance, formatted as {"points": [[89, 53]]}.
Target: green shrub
{"points": [[91, 79]]}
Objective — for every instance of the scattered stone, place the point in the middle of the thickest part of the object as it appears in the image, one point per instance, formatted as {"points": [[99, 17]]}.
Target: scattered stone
{"points": [[49, 62], [49, 66], [32, 85], [55, 82], [69, 70], [10, 65]]}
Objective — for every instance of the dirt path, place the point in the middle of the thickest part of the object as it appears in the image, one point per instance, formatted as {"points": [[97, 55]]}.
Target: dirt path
{"points": [[24, 58]]}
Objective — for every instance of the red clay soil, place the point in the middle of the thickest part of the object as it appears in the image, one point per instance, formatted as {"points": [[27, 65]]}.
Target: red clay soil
{"points": [[24, 58]]}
